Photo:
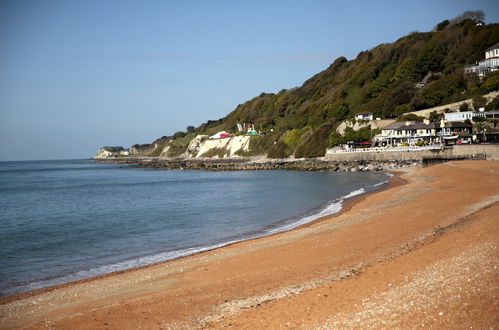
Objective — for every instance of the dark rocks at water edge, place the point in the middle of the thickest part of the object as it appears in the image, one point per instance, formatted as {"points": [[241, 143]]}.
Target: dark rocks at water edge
{"points": [[238, 164]]}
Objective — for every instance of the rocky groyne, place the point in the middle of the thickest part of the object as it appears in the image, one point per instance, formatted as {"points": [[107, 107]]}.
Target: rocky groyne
{"points": [[242, 164]]}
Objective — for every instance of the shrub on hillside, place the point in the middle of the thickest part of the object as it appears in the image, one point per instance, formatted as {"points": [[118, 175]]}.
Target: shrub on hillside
{"points": [[316, 143]]}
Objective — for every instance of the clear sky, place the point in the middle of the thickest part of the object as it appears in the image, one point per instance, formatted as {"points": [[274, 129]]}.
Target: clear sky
{"points": [[77, 75]]}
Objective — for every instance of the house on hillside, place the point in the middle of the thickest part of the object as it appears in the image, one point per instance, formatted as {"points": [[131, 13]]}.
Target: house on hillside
{"points": [[364, 116], [412, 133], [487, 65]]}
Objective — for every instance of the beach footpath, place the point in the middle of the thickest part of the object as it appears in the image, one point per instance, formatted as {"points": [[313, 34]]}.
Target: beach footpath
{"points": [[422, 253]]}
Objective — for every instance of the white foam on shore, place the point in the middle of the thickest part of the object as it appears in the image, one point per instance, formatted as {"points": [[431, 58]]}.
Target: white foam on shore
{"points": [[331, 208]]}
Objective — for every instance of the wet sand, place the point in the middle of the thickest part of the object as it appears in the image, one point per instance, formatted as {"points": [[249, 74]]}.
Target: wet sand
{"points": [[420, 254]]}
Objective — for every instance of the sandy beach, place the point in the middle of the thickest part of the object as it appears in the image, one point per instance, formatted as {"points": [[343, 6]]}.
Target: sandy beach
{"points": [[423, 253]]}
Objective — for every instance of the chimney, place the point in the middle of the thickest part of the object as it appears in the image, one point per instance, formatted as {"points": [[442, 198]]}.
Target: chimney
{"points": [[426, 121], [407, 123]]}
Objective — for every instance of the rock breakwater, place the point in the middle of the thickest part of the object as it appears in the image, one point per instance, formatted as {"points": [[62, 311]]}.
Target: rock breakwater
{"points": [[242, 164]]}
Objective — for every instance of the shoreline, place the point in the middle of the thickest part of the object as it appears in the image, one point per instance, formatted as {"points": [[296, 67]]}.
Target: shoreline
{"points": [[415, 244], [345, 204]]}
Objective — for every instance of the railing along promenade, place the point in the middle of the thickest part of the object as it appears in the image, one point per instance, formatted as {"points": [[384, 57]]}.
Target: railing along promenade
{"points": [[383, 149]]}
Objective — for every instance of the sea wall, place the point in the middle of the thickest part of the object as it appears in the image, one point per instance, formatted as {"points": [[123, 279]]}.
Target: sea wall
{"points": [[410, 155], [490, 150]]}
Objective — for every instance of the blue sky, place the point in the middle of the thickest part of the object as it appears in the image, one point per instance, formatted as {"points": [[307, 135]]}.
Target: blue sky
{"points": [[77, 75]]}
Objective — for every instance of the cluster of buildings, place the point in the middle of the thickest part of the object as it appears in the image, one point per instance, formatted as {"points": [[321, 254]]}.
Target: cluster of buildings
{"points": [[487, 65], [411, 133]]}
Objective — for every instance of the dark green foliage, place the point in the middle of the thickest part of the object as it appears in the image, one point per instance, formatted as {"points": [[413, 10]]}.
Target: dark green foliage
{"points": [[278, 150], [335, 139], [478, 102], [363, 134], [316, 143], [401, 95], [491, 82], [142, 146], [440, 26], [435, 117], [178, 135], [339, 111], [259, 145], [113, 148], [464, 107], [403, 108], [410, 117], [493, 105]]}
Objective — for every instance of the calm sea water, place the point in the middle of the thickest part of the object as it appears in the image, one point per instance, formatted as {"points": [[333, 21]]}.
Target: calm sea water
{"points": [[67, 220]]}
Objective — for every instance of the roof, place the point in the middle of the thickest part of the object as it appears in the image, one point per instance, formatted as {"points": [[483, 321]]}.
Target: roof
{"points": [[365, 113], [420, 125], [493, 47], [395, 125], [400, 125]]}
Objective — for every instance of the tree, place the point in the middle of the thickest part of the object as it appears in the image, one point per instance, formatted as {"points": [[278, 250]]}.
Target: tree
{"points": [[479, 102], [474, 15], [435, 117], [493, 105], [178, 135], [335, 139], [440, 26], [491, 82], [464, 107], [400, 95], [339, 111], [410, 117], [190, 129]]}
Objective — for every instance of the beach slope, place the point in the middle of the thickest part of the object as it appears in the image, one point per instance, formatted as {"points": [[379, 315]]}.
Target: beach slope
{"points": [[422, 253]]}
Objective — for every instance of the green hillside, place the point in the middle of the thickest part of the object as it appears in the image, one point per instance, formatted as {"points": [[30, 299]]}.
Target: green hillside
{"points": [[382, 80]]}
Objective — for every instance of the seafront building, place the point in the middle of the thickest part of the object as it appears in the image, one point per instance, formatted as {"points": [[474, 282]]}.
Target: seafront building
{"points": [[487, 65], [412, 133]]}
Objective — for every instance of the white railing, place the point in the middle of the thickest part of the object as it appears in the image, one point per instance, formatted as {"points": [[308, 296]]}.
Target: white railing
{"points": [[383, 149]]}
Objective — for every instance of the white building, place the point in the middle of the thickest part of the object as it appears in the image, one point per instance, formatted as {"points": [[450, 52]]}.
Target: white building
{"points": [[459, 116], [489, 64], [364, 116], [462, 116]]}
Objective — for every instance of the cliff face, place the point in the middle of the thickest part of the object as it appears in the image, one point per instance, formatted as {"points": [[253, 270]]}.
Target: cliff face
{"points": [[386, 80], [110, 152], [203, 146], [198, 147]]}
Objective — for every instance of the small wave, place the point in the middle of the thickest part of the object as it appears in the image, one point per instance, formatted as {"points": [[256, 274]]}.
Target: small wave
{"points": [[355, 193], [379, 184]]}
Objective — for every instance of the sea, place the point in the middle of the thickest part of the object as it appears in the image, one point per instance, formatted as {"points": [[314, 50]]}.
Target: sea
{"points": [[67, 220]]}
